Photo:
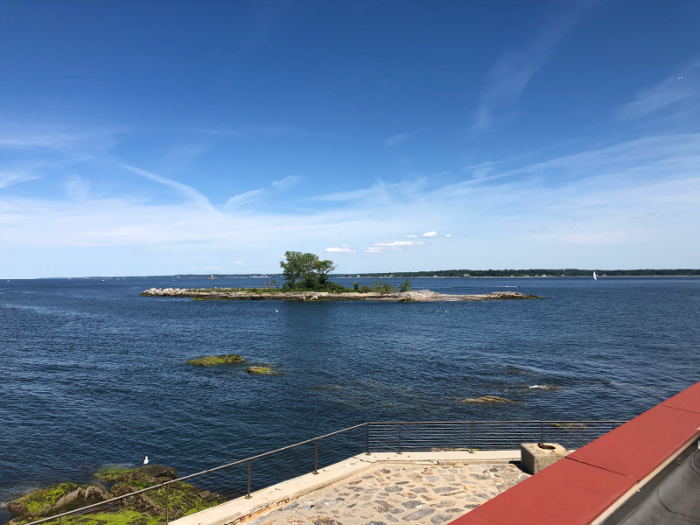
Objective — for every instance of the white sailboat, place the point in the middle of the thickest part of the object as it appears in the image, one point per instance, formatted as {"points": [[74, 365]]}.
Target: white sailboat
{"points": [[595, 277]]}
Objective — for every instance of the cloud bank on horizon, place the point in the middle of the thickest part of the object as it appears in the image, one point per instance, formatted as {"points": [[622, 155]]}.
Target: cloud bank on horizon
{"points": [[554, 143]]}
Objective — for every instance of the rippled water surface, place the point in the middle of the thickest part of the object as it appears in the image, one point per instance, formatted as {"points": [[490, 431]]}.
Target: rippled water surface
{"points": [[92, 374]]}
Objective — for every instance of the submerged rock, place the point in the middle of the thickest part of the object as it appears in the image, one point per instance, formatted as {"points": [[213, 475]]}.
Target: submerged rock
{"points": [[488, 399], [262, 370], [214, 360], [56, 499]]}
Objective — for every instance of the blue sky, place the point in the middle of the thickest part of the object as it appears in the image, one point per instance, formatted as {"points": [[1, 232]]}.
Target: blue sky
{"points": [[143, 138]]}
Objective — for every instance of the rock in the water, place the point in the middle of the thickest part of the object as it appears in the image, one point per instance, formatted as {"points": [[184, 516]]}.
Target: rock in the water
{"points": [[55, 499], [214, 360], [151, 474], [488, 399], [141, 509], [263, 370]]}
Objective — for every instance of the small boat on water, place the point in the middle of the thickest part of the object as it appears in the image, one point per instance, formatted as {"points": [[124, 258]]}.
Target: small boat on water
{"points": [[595, 277]]}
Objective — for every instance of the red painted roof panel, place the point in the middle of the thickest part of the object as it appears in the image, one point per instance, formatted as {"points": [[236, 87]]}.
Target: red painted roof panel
{"points": [[642, 444], [567, 492], [689, 399]]}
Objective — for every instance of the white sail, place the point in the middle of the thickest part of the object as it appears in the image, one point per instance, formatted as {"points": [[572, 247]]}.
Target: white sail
{"points": [[595, 277]]}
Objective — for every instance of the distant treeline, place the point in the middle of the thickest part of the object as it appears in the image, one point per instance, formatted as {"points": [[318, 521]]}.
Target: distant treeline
{"points": [[567, 272]]}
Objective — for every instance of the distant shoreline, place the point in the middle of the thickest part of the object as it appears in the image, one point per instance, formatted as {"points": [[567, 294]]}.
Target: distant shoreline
{"points": [[436, 274]]}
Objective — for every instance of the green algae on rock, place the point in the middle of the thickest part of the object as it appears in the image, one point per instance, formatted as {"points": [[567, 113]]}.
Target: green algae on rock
{"points": [[57, 498], [214, 360], [147, 508], [488, 399], [121, 517], [261, 370], [151, 474], [110, 472]]}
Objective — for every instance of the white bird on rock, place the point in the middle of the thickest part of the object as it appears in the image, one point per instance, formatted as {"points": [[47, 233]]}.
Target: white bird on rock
{"points": [[145, 460]]}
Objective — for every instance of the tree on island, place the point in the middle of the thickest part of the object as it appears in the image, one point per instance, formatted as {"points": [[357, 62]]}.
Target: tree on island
{"points": [[306, 272], [306, 268]]}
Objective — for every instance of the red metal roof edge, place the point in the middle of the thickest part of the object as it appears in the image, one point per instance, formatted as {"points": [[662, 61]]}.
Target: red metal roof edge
{"points": [[553, 496]]}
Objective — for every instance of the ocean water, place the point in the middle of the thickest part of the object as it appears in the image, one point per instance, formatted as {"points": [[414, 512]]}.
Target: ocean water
{"points": [[92, 374]]}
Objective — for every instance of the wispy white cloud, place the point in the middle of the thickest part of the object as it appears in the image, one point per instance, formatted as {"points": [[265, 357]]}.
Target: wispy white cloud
{"points": [[244, 198], [287, 182], [677, 90], [186, 191], [7, 179], [429, 234], [50, 141], [395, 140], [514, 69], [345, 248]]}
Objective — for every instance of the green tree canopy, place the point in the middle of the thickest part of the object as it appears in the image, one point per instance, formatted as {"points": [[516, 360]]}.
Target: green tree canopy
{"points": [[307, 268]]}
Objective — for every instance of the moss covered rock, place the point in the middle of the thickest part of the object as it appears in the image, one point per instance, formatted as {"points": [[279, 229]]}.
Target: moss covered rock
{"points": [[147, 508], [183, 499], [151, 474], [261, 370], [214, 360], [121, 517], [56, 499]]}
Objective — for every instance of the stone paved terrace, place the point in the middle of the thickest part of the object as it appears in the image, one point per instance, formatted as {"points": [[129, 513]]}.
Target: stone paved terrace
{"points": [[412, 494], [415, 488]]}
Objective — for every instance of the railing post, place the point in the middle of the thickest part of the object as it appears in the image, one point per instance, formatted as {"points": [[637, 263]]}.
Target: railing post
{"points": [[167, 492], [248, 496], [471, 437], [399, 452], [315, 456], [368, 438], [542, 432]]}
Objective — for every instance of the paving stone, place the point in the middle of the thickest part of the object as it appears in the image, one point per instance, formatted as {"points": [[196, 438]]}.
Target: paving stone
{"points": [[421, 513], [439, 518]]}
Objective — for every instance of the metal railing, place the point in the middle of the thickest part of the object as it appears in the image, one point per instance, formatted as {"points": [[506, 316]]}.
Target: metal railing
{"points": [[394, 436]]}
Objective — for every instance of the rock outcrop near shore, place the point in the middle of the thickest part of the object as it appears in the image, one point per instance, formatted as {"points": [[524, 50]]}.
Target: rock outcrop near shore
{"points": [[214, 294], [147, 508]]}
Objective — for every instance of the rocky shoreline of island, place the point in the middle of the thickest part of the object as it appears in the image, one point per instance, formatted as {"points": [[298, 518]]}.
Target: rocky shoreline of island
{"points": [[256, 294]]}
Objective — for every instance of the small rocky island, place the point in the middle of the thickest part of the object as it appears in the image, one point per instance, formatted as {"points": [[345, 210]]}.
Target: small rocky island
{"points": [[259, 294], [307, 278]]}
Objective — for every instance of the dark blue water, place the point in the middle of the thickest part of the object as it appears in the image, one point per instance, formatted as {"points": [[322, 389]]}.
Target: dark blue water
{"points": [[92, 374]]}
